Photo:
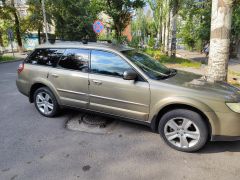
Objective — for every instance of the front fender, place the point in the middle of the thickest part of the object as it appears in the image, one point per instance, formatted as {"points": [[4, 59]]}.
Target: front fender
{"points": [[201, 106]]}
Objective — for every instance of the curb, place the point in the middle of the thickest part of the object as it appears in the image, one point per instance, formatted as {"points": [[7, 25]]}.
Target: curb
{"points": [[11, 61]]}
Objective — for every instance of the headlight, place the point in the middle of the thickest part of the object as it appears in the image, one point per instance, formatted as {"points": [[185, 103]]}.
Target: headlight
{"points": [[234, 107]]}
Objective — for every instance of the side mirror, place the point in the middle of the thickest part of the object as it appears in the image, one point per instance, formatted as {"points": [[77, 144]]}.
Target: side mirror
{"points": [[129, 75]]}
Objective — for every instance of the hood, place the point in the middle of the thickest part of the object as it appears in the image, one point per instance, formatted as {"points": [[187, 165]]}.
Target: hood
{"points": [[197, 82]]}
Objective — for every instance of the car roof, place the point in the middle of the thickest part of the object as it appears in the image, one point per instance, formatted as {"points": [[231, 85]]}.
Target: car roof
{"points": [[89, 45]]}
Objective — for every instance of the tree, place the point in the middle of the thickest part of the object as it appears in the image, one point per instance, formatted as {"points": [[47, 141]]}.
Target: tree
{"points": [[121, 13], [9, 11], [194, 23], [73, 19], [220, 40], [4, 16], [34, 21], [156, 7], [235, 32]]}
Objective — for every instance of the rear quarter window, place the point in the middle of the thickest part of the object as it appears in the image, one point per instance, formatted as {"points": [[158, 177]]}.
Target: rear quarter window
{"points": [[46, 57]]}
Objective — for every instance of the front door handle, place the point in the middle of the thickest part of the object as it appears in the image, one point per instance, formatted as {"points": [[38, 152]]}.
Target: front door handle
{"points": [[54, 75], [97, 82]]}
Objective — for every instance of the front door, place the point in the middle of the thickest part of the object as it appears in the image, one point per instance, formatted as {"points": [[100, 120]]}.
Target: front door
{"points": [[110, 93], [70, 78]]}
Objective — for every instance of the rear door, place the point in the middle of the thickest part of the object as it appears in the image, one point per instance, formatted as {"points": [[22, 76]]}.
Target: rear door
{"points": [[70, 78], [39, 63], [110, 93]]}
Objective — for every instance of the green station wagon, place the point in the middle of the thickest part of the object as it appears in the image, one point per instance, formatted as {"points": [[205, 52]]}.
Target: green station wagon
{"points": [[122, 82]]}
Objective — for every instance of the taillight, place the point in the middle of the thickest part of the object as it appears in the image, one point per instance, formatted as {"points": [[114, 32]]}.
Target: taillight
{"points": [[20, 67]]}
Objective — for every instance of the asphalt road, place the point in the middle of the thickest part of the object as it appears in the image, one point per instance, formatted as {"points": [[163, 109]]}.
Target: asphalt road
{"points": [[39, 148]]}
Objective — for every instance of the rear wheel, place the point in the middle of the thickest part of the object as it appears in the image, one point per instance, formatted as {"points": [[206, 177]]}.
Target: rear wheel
{"points": [[183, 130], [45, 102]]}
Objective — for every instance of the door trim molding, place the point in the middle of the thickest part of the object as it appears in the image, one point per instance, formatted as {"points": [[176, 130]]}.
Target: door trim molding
{"points": [[118, 100], [74, 92]]}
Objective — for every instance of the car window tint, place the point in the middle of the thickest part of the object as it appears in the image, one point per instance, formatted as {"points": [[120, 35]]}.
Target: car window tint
{"points": [[107, 63], [75, 59], [47, 57]]}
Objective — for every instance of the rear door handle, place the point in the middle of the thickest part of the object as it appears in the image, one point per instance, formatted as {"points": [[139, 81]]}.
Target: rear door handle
{"points": [[54, 75], [97, 82]]}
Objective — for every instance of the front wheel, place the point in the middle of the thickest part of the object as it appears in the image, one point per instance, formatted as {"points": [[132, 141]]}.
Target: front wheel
{"points": [[183, 130], [45, 102]]}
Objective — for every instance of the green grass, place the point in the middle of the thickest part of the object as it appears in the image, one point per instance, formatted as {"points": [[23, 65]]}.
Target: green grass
{"points": [[234, 73], [7, 58], [179, 61], [172, 61]]}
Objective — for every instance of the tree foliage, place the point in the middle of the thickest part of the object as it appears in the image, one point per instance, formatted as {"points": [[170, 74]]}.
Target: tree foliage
{"points": [[10, 15], [194, 26], [73, 19], [121, 12]]}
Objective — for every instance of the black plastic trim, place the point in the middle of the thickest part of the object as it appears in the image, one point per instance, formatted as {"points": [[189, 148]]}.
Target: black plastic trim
{"points": [[225, 138]]}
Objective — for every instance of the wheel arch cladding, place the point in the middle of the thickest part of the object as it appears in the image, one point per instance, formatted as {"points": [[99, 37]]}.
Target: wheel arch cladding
{"points": [[155, 121]]}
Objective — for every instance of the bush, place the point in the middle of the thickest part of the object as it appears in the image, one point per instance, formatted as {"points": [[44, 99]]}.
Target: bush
{"points": [[151, 42], [6, 58]]}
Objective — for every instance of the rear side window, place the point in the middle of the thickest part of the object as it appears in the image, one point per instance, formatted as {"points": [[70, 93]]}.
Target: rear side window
{"points": [[75, 59], [46, 57]]}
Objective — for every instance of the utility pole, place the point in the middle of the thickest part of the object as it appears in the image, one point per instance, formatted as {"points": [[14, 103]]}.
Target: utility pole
{"points": [[45, 21]]}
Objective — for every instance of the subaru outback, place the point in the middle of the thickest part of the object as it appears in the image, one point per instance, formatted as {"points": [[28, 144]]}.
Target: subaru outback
{"points": [[122, 82]]}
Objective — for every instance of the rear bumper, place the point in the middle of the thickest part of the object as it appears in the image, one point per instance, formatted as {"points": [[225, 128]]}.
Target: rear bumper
{"points": [[22, 87]]}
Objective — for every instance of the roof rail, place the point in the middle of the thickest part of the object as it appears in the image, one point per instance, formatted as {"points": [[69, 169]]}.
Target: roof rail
{"points": [[105, 41]]}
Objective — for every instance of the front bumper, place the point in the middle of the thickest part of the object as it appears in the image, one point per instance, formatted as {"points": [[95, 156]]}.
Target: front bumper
{"points": [[228, 128]]}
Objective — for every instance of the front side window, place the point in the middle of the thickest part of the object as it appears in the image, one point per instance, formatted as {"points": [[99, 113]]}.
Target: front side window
{"points": [[75, 59], [46, 57], [107, 63]]}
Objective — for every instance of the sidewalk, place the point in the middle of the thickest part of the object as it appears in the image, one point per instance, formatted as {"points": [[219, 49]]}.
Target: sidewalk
{"points": [[233, 65]]}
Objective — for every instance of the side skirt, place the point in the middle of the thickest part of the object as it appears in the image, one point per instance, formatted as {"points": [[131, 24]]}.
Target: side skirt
{"points": [[109, 115]]}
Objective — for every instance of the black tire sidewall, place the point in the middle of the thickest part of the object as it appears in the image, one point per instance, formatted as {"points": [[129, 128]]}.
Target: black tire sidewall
{"points": [[55, 104], [191, 115]]}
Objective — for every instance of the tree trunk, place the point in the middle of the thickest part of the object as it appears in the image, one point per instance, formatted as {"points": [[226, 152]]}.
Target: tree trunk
{"points": [[163, 36], [167, 29], [159, 34], [220, 40], [117, 32], [17, 26], [17, 30], [173, 32], [160, 28], [1, 39], [39, 35]]}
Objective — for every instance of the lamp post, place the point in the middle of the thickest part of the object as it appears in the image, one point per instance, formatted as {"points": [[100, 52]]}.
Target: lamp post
{"points": [[45, 20]]}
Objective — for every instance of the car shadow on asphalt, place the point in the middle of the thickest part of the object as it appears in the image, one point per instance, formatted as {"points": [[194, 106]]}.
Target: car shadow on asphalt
{"points": [[137, 127], [210, 147], [221, 146]]}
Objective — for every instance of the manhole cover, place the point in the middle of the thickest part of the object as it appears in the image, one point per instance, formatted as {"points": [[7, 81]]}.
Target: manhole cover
{"points": [[91, 123], [95, 120]]}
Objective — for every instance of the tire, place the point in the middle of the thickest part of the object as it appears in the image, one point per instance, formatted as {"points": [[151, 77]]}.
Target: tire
{"points": [[183, 130], [45, 102]]}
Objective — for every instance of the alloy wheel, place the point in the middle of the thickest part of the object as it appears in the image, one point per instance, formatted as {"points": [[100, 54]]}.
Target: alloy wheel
{"points": [[182, 132], [44, 103]]}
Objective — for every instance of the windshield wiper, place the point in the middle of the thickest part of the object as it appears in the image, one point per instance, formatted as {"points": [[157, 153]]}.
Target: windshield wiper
{"points": [[172, 72]]}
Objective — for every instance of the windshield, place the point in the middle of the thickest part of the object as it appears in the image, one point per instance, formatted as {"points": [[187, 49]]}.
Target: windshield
{"points": [[153, 68]]}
